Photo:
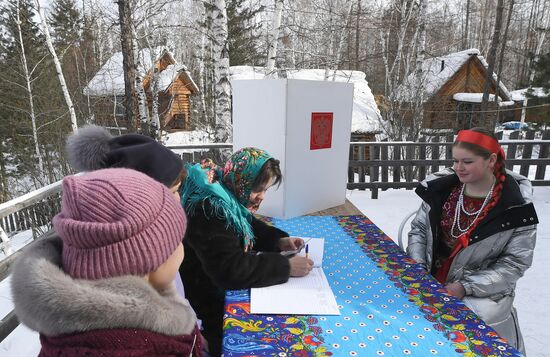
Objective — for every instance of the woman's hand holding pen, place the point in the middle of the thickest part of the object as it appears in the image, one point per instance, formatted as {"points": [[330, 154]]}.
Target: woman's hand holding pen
{"points": [[300, 266], [290, 243]]}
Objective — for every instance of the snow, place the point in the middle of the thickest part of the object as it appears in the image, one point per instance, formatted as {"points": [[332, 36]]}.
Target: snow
{"points": [[187, 137], [473, 97], [366, 115], [109, 80], [433, 77], [518, 95], [532, 292]]}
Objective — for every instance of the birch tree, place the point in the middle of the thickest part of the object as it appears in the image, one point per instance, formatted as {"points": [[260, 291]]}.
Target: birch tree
{"points": [[28, 82], [274, 37], [58, 69], [128, 60], [491, 59], [218, 17]]}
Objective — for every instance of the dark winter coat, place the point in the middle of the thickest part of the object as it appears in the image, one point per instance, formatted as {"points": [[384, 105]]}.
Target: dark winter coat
{"points": [[121, 316], [215, 261]]}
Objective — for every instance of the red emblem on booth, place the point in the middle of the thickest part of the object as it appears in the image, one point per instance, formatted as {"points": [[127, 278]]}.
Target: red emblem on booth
{"points": [[321, 131]]}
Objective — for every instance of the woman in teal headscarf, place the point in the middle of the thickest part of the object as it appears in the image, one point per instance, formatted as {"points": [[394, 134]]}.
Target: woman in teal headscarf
{"points": [[222, 234]]}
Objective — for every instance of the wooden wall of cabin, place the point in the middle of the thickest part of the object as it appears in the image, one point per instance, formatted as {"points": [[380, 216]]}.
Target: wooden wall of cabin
{"points": [[107, 114]]}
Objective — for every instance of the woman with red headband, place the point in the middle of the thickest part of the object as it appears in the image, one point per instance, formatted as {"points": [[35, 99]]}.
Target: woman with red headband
{"points": [[476, 229]]}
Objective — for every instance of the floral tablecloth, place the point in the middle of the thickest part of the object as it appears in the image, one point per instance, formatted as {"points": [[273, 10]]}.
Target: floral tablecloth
{"points": [[389, 306]]}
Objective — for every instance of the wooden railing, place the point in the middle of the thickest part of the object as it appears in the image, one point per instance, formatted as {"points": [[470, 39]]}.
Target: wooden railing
{"points": [[404, 164]]}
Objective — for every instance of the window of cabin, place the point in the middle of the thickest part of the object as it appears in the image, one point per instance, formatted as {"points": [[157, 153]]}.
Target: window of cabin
{"points": [[120, 110], [464, 115]]}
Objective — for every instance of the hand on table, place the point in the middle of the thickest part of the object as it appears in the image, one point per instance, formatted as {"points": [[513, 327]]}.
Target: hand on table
{"points": [[456, 289], [290, 243], [300, 266]]}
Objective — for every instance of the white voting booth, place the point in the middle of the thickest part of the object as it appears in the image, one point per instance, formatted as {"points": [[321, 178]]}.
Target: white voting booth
{"points": [[304, 124]]}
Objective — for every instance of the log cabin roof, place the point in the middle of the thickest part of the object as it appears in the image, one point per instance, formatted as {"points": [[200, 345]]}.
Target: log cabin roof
{"points": [[437, 72], [109, 80]]}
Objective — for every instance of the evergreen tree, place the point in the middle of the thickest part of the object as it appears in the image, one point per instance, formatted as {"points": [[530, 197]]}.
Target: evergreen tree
{"points": [[244, 34], [16, 131], [66, 22], [542, 72]]}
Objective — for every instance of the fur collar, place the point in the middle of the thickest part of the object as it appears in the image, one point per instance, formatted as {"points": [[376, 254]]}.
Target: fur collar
{"points": [[51, 302]]}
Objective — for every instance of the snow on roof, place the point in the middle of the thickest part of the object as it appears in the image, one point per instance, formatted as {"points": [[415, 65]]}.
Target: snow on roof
{"points": [[473, 97], [366, 115], [436, 72], [109, 80], [187, 137], [518, 95]]}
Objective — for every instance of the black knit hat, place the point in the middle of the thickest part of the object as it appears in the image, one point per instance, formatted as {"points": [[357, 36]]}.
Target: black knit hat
{"points": [[93, 147]]}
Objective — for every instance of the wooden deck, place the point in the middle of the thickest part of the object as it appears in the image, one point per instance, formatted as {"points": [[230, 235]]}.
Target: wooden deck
{"points": [[343, 210]]}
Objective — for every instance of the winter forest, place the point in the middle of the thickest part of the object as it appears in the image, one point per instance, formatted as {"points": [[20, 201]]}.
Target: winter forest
{"points": [[51, 49]]}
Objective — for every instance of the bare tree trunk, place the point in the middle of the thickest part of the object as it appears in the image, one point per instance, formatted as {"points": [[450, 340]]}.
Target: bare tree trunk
{"points": [[540, 41], [58, 69], [28, 81], [357, 34], [274, 37], [128, 61], [202, 73], [491, 59], [341, 41], [502, 49], [418, 112], [221, 71], [466, 36], [143, 110]]}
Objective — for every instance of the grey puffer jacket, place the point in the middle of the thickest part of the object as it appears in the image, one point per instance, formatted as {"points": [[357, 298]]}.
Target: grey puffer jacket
{"points": [[499, 252]]}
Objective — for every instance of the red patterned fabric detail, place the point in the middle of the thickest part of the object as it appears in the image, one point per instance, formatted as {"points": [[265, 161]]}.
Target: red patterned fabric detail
{"points": [[471, 204]]}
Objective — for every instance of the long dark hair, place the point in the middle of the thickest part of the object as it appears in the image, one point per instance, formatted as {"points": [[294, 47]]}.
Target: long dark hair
{"points": [[271, 171]]}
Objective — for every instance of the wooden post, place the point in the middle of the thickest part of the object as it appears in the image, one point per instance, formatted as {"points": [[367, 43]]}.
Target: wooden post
{"points": [[396, 168], [543, 153], [384, 157], [511, 152], [361, 168], [409, 154], [526, 153], [435, 154], [351, 176], [374, 156], [422, 156]]}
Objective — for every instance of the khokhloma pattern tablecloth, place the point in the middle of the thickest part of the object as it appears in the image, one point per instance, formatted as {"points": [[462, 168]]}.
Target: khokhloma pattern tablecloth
{"points": [[389, 306]]}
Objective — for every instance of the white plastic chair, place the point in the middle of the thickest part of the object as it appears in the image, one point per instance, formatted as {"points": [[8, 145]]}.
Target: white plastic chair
{"points": [[402, 226]]}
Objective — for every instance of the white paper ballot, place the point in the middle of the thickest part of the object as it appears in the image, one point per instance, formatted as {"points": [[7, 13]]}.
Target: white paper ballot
{"points": [[308, 295]]}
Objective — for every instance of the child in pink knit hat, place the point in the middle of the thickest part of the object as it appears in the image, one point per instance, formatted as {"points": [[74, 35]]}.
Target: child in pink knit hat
{"points": [[103, 283]]}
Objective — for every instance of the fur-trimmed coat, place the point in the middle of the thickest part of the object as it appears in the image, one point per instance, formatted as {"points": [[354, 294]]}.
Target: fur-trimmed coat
{"points": [[119, 316]]}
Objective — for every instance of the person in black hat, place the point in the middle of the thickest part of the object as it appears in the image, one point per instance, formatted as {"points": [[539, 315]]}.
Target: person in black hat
{"points": [[93, 147]]}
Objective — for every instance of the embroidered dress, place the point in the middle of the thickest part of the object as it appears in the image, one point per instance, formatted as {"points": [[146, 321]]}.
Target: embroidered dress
{"points": [[446, 241]]}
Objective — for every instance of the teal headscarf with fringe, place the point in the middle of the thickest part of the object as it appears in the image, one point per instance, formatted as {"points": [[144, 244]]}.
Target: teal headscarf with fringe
{"points": [[227, 189]]}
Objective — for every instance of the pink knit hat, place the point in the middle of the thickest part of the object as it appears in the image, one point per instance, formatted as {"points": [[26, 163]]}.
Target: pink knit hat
{"points": [[117, 222]]}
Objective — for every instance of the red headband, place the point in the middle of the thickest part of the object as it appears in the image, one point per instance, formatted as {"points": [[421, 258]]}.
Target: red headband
{"points": [[479, 139]]}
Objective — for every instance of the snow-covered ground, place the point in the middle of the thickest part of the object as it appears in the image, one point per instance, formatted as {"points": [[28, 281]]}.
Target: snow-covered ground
{"points": [[533, 290]]}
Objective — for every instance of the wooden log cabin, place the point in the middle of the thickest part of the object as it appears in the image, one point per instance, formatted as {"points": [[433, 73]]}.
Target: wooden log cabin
{"points": [[175, 86], [451, 87]]}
